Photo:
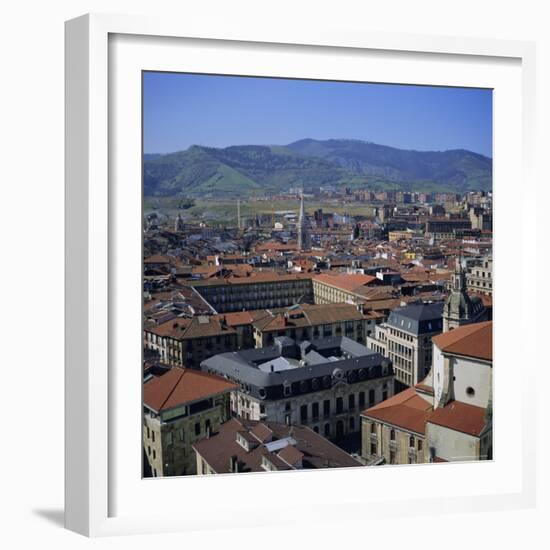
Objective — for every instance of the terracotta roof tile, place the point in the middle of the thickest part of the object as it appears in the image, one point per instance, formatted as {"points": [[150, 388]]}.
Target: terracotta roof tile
{"points": [[179, 386], [317, 451], [405, 410], [344, 281], [475, 340], [460, 417]]}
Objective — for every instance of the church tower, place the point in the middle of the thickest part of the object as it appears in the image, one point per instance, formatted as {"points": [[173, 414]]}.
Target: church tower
{"points": [[178, 224], [303, 236], [461, 309]]}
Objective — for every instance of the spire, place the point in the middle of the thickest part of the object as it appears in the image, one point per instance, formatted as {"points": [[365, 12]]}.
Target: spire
{"points": [[239, 213], [303, 241]]}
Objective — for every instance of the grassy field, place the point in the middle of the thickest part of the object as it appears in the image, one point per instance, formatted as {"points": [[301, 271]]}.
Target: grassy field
{"points": [[225, 211]]}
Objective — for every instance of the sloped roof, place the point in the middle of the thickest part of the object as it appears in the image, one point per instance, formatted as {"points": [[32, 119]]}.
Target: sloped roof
{"points": [[316, 451], [405, 410], [344, 281], [180, 386], [474, 340], [460, 417]]}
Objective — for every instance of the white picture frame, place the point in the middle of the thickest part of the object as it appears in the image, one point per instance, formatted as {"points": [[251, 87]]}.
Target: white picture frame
{"points": [[102, 48]]}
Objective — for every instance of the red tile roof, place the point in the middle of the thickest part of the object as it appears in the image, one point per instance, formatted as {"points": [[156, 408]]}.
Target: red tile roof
{"points": [[475, 340], [180, 386], [460, 417], [344, 281], [405, 410]]}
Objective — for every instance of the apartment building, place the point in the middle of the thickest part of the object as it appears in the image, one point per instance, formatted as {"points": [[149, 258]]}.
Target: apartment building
{"points": [[258, 290], [323, 384], [185, 342], [311, 322], [480, 278], [332, 288], [406, 340], [253, 446], [180, 408]]}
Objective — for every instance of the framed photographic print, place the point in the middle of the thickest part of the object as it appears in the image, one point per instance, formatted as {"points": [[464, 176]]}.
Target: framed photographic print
{"points": [[286, 273]]}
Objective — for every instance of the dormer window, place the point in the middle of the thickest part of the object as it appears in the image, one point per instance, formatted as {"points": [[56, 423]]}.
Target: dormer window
{"points": [[244, 441]]}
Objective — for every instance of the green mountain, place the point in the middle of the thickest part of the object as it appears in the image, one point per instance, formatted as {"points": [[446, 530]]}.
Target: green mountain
{"points": [[254, 170], [458, 169]]}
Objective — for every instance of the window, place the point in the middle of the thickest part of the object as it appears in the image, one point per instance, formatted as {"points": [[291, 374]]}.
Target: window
{"points": [[411, 441], [327, 430], [303, 414], [154, 454], [287, 419], [339, 405], [153, 436], [315, 410], [371, 398], [326, 407], [361, 399], [352, 423], [373, 449], [197, 428], [392, 434], [149, 450], [287, 406], [182, 435], [148, 433], [420, 444], [351, 401], [169, 438], [316, 429]]}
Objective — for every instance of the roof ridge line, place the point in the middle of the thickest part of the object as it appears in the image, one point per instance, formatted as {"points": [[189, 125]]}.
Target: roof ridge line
{"points": [[173, 389]]}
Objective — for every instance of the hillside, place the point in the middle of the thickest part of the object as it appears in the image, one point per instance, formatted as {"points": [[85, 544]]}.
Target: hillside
{"points": [[459, 169], [255, 170]]}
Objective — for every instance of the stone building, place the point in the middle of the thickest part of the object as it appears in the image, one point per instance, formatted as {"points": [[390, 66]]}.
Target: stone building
{"points": [[185, 342], [310, 322], [303, 232], [406, 339], [446, 417], [323, 383], [255, 291], [460, 308], [252, 446], [480, 278], [331, 288], [180, 408]]}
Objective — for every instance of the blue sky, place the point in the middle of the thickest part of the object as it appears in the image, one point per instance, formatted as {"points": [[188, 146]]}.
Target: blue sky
{"points": [[181, 110]]}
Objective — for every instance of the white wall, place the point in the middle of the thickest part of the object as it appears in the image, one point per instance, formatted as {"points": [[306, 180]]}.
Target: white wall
{"points": [[31, 224], [451, 445], [472, 374]]}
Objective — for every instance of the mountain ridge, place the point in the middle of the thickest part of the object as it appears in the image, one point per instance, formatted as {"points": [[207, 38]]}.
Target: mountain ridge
{"points": [[246, 170]]}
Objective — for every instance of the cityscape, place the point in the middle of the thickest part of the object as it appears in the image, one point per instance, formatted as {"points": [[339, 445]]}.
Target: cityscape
{"points": [[321, 303]]}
